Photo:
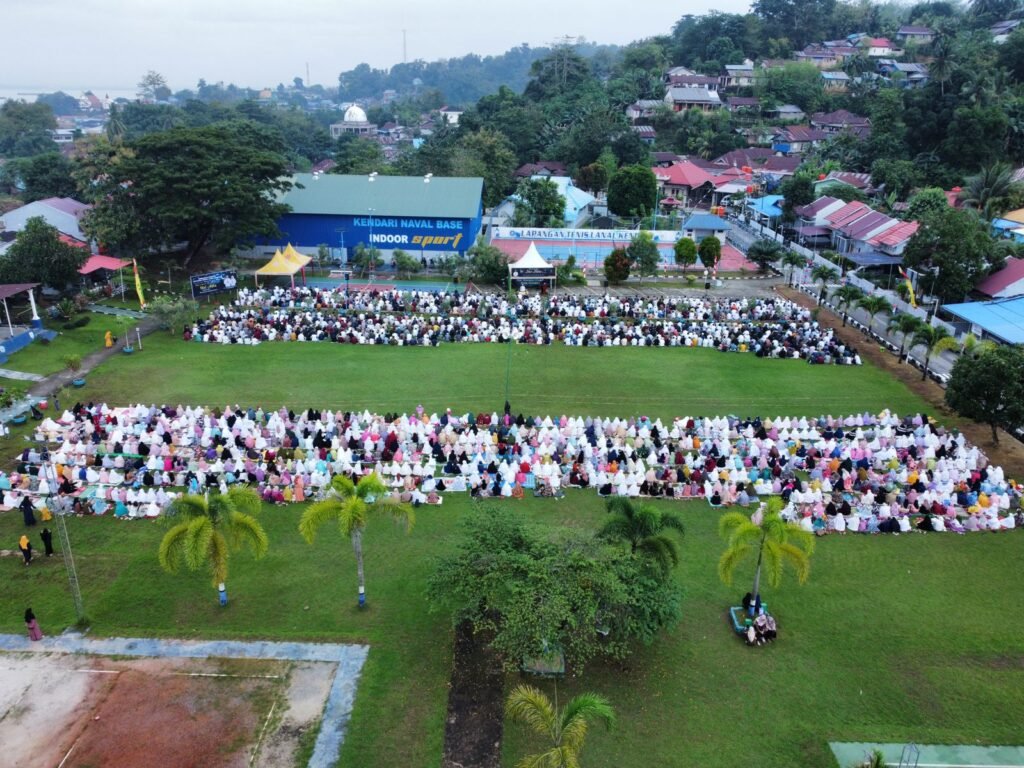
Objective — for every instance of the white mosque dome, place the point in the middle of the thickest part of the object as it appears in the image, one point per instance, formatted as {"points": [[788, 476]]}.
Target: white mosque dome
{"points": [[355, 114]]}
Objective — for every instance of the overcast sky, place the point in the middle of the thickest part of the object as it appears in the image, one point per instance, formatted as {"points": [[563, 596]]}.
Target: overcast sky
{"points": [[110, 44]]}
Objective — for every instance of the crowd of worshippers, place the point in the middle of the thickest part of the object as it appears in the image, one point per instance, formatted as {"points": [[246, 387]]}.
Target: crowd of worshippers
{"points": [[768, 327], [869, 467]]}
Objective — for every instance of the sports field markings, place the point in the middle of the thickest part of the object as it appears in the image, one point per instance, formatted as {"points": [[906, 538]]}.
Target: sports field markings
{"points": [[348, 658]]}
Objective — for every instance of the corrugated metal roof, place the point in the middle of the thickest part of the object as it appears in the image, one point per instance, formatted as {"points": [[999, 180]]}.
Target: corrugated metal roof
{"points": [[997, 282], [1003, 319], [332, 194]]}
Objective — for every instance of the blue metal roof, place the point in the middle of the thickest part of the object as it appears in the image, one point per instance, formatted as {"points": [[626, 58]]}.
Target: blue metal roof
{"points": [[769, 205], [707, 221], [1003, 318]]}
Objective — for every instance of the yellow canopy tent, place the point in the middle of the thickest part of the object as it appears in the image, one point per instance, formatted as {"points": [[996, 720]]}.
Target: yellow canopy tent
{"points": [[297, 258], [279, 265]]}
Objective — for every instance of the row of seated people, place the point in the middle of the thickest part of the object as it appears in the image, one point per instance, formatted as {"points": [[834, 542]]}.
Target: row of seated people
{"points": [[867, 454], [786, 339], [567, 306], [885, 519]]}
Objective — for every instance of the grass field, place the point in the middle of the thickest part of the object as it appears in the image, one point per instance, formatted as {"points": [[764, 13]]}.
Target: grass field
{"points": [[893, 638], [555, 380]]}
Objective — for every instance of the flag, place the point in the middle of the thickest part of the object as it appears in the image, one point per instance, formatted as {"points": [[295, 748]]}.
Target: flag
{"points": [[138, 284], [910, 288]]}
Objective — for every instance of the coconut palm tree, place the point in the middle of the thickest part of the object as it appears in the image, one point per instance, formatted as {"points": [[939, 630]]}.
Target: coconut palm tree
{"points": [[989, 190], [351, 504], [792, 260], [906, 325], [644, 527], [822, 274], [972, 346], [847, 296], [874, 305], [934, 338], [564, 729], [764, 252], [213, 526], [773, 539]]}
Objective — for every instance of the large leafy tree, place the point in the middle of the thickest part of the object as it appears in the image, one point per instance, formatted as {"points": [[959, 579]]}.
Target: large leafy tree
{"points": [[774, 541], [203, 186], [539, 204], [644, 254], [958, 245], [41, 176], [39, 256], [25, 129], [632, 191], [564, 730], [685, 251], [531, 592], [989, 388], [645, 528], [617, 266], [351, 505], [710, 250], [212, 527], [489, 155], [488, 265]]}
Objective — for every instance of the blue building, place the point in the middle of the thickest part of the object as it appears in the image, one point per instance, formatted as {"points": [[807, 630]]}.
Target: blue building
{"points": [[421, 216]]}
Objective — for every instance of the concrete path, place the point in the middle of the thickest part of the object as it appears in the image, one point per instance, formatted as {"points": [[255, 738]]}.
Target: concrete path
{"points": [[934, 755], [103, 309], [57, 381], [349, 658], [6, 373]]}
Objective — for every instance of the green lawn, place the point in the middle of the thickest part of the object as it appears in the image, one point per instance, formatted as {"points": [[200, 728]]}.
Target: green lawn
{"points": [[893, 638], [49, 358], [555, 380]]}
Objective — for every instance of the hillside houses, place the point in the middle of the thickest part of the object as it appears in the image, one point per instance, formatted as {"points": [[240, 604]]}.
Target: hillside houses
{"points": [[852, 229]]}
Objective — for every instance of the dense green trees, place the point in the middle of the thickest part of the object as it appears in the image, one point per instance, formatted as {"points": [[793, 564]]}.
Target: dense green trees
{"points": [[539, 204], [532, 593], [956, 244], [632, 191], [644, 255], [617, 266], [38, 255], [989, 388], [211, 185], [25, 129]]}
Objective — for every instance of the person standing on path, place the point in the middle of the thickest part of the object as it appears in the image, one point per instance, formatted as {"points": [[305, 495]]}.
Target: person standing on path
{"points": [[26, 548], [34, 632], [108, 340], [47, 538]]}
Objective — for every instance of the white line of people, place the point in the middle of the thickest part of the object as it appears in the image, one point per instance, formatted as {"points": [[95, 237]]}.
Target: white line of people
{"points": [[768, 327], [845, 474]]}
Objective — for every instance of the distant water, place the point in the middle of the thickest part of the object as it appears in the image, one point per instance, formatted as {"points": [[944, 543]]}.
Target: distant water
{"points": [[28, 92]]}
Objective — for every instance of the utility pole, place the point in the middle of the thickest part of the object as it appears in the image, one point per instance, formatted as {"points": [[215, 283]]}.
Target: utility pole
{"points": [[405, 52]]}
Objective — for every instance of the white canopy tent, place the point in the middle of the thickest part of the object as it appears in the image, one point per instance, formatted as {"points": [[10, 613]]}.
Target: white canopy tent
{"points": [[531, 270]]}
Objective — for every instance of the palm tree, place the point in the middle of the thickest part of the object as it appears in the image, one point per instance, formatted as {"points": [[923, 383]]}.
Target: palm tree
{"points": [[941, 68], [351, 505], [644, 526], [972, 346], [792, 259], [874, 305], [934, 338], [764, 252], [774, 540], [214, 525], [846, 296], [565, 729], [822, 274], [988, 190], [906, 325]]}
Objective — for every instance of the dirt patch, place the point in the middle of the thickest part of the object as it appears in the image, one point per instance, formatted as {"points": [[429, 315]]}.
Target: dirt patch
{"points": [[475, 722], [148, 718], [98, 711], [1009, 453]]}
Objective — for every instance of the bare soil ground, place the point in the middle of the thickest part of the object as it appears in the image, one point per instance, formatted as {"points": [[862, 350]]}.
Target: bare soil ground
{"points": [[92, 712], [473, 728], [1009, 453]]}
